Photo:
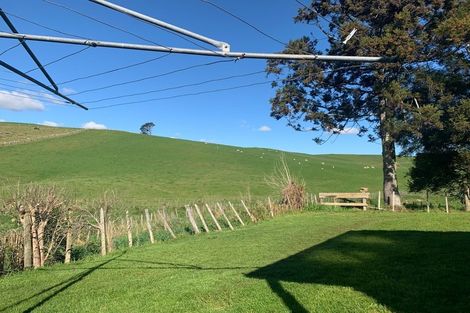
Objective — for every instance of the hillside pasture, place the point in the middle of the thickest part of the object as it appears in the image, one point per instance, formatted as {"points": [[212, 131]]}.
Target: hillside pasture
{"points": [[154, 171]]}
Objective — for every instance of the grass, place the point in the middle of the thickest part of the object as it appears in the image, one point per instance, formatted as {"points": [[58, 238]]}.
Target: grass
{"points": [[310, 262], [6, 222], [150, 171], [14, 133]]}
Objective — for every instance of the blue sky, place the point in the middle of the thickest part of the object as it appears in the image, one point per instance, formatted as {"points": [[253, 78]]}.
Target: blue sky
{"points": [[235, 117]]}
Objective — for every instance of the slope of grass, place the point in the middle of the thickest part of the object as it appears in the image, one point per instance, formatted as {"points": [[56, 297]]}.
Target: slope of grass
{"points": [[311, 262], [149, 171], [14, 133]]}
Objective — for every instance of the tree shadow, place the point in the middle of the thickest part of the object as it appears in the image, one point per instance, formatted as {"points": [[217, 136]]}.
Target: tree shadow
{"points": [[152, 265], [59, 287], [406, 271]]}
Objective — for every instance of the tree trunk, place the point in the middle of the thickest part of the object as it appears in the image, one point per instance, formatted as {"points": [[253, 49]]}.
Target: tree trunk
{"points": [[467, 199], [27, 241], [103, 231], [389, 159], [40, 229], [35, 239]]}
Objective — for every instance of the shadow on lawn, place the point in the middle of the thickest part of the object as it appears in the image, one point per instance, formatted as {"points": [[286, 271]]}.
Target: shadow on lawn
{"points": [[58, 288], [152, 265], [407, 271]]}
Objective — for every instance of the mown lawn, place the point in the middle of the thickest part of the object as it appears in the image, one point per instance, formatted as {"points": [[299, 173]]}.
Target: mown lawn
{"points": [[309, 262]]}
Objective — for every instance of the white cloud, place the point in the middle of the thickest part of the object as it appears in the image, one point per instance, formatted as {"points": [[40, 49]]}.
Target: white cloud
{"points": [[67, 91], [264, 129], [346, 131], [17, 101], [49, 123], [1, 120], [93, 125]]}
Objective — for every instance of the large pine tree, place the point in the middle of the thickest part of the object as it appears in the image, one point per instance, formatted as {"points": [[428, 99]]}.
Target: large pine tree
{"points": [[381, 99]]}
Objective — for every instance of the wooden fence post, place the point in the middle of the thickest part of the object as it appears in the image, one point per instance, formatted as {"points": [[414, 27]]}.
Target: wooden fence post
{"points": [[102, 228], [165, 224], [236, 213], [189, 213], [270, 207], [447, 205], [2, 257], [393, 201], [213, 217], [201, 218], [129, 229], [109, 235], [87, 237], [68, 239], [378, 202], [253, 219], [225, 216], [427, 202], [315, 198], [27, 241], [149, 226]]}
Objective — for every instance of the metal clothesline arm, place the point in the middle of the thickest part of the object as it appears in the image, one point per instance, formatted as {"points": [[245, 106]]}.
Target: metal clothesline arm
{"points": [[241, 55], [28, 50], [225, 47], [26, 76]]}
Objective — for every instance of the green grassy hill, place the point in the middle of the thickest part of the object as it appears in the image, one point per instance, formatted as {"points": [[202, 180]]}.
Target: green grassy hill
{"points": [[150, 170]]}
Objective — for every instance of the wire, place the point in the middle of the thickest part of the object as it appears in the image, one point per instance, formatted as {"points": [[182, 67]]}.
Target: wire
{"points": [[176, 87], [60, 59], [16, 81], [244, 22], [101, 22], [19, 94], [154, 76], [182, 95], [16, 87], [254, 27], [178, 35], [43, 26], [114, 70], [11, 48], [128, 32], [214, 90]]}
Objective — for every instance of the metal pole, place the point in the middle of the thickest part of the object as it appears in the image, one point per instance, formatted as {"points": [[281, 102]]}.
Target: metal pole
{"points": [[241, 55], [225, 47], [30, 52], [17, 71]]}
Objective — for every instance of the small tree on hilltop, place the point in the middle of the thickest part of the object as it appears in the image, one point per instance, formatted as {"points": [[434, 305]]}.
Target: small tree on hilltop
{"points": [[146, 129]]}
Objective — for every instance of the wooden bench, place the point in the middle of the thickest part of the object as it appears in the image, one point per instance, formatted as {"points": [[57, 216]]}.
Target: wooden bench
{"points": [[345, 199]]}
